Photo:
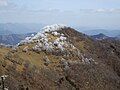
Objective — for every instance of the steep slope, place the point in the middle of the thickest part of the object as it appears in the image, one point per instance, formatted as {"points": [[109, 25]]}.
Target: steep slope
{"points": [[60, 58]]}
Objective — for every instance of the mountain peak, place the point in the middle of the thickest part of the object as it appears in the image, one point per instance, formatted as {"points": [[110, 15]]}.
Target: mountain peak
{"points": [[54, 27], [50, 39]]}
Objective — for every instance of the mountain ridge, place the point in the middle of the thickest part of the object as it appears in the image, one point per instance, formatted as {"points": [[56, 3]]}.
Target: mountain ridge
{"points": [[110, 33], [64, 59]]}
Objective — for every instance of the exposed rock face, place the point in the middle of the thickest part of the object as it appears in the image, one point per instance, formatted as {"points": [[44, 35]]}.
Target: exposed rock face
{"points": [[60, 58]]}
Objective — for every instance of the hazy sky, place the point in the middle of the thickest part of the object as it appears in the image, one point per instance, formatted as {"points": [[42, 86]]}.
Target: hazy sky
{"points": [[90, 13]]}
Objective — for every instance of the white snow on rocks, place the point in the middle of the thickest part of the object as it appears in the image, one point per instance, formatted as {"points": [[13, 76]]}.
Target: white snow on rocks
{"points": [[56, 43], [39, 35], [87, 60], [62, 38], [54, 27], [49, 40], [55, 33], [25, 41]]}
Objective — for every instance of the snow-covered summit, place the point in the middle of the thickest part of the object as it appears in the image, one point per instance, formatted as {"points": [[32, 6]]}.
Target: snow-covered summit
{"points": [[51, 28], [50, 39], [54, 27]]}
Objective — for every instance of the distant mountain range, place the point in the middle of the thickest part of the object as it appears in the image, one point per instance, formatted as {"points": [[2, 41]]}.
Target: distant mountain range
{"points": [[13, 39], [99, 36], [118, 36], [12, 33], [102, 36], [111, 33], [17, 28], [5, 32], [22, 28]]}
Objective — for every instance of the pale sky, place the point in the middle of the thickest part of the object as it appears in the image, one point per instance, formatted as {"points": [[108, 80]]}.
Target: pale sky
{"points": [[90, 13]]}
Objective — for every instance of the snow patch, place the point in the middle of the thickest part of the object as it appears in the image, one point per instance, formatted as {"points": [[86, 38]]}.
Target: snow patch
{"points": [[54, 27]]}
